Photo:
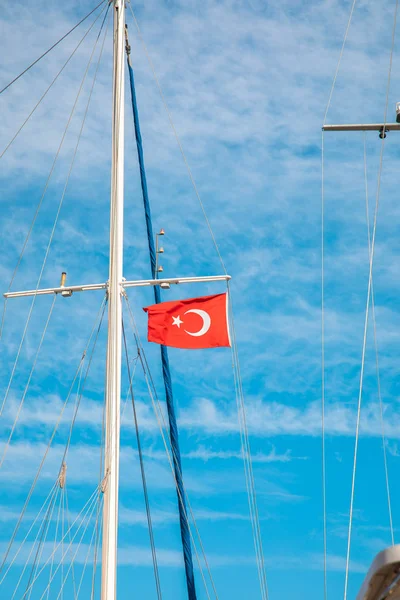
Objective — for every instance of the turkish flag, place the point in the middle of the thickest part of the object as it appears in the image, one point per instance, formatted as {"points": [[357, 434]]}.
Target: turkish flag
{"points": [[193, 323]]}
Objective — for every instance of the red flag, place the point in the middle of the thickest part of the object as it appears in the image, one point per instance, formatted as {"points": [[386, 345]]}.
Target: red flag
{"points": [[192, 323]]}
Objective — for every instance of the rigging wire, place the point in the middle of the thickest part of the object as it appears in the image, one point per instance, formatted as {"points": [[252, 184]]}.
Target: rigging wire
{"points": [[88, 551], [51, 48], [82, 516], [346, 33], [178, 140], [69, 529], [323, 449], [249, 477], [85, 508], [377, 355], [99, 500], [45, 529], [42, 508], [170, 459], [55, 542], [21, 404], [371, 261], [51, 496], [173, 427], [64, 459], [246, 472], [51, 84], [61, 563], [45, 260], [143, 473], [247, 461], [100, 314], [156, 404], [101, 479], [101, 471], [82, 388], [95, 557], [45, 191]]}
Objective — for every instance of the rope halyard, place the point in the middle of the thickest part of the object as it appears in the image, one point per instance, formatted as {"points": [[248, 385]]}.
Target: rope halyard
{"points": [[36, 562], [143, 473], [55, 542], [52, 497], [378, 378], [323, 457], [371, 261], [346, 33], [173, 426], [178, 141], [163, 428], [21, 404], [99, 316], [42, 508], [247, 460], [92, 540], [58, 208], [86, 513], [96, 553]]}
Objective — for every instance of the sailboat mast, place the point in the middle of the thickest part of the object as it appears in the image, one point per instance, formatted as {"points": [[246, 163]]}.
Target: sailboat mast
{"points": [[113, 375]]}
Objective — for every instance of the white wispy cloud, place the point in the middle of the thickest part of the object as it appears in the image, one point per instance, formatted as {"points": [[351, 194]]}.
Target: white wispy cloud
{"points": [[247, 84], [205, 454], [270, 419], [264, 419]]}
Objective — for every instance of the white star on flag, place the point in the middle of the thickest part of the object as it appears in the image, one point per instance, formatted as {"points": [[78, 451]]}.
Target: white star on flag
{"points": [[177, 321]]}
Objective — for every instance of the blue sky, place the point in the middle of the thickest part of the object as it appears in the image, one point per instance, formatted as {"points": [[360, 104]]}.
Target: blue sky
{"points": [[247, 83]]}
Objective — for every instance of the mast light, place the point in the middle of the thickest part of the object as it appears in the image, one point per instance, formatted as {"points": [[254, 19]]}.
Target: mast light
{"points": [[159, 250]]}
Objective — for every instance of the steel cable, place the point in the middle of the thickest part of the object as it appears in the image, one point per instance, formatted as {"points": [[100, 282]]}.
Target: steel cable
{"points": [[51, 48], [58, 209], [143, 474], [21, 404], [80, 366], [156, 404], [178, 140], [248, 466], [371, 261], [51, 85], [378, 378]]}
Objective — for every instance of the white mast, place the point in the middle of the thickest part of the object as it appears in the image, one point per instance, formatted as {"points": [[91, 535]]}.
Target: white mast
{"points": [[110, 484], [113, 380]]}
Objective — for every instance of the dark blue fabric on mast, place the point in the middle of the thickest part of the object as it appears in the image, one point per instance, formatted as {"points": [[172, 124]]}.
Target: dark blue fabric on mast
{"points": [[173, 428]]}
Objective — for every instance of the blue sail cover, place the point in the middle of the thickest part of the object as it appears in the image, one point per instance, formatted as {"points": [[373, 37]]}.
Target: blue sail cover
{"points": [[173, 428]]}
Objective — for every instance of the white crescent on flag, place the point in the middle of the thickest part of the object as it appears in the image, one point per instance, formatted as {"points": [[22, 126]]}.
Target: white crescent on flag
{"points": [[206, 322]]}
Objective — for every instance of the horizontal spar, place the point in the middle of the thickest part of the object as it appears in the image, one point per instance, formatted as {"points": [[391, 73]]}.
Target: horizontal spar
{"points": [[70, 289], [175, 280], [63, 290], [363, 127]]}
